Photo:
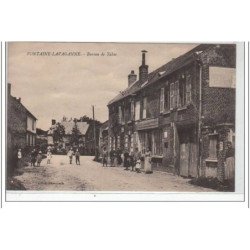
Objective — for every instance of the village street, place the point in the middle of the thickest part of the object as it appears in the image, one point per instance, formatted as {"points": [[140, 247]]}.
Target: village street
{"points": [[91, 176]]}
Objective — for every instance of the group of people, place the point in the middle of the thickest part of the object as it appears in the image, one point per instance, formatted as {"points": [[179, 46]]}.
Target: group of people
{"points": [[72, 153], [133, 160], [36, 157]]}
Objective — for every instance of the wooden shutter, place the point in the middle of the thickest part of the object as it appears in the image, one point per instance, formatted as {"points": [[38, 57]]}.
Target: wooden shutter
{"points": [[120, 114], [177, 94], [172, 95], [162, 100], [132, 110], [188, 89], [144, 112]]}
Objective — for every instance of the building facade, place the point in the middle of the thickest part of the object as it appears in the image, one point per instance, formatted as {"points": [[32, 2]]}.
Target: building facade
{"points": [[21, 123], [184, 112]]}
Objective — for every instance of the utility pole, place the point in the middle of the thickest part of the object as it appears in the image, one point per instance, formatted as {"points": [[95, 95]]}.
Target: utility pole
{"points": [[93, 109]]}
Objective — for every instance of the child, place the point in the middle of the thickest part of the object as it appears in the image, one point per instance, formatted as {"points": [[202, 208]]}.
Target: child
{"points": [[33, 158], [77, 155], [39, 158], [49, 156], [70, 155]]}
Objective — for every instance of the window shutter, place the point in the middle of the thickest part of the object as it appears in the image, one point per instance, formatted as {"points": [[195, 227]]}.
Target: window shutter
{"points": [[188, 89], [162, 100], [177, 94], [171, 95], [132, 110], [144, 112], [120, 114]]}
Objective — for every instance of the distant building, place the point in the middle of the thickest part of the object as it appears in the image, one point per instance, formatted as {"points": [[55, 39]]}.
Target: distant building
{"points": [[68, 126], [41, 136], [184, 112], [21, 123], [103, 136]]}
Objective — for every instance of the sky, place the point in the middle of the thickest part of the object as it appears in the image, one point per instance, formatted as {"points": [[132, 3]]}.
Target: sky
{"points": [[66, 79]]}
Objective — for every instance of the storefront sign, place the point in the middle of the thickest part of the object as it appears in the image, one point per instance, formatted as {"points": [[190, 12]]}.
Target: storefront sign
{"points": [[148, 124]]}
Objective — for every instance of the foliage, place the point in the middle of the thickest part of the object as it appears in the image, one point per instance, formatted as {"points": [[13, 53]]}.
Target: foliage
{"points": [[88, 120], [214, 183], [58, 132], [75, 135]]}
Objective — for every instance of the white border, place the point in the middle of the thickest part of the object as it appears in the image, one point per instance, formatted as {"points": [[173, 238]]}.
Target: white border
{"points": [[238, 195]]}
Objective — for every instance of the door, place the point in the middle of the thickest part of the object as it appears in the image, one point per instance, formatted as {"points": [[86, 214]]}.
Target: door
{"points": [[188, 154], [193, 160], [184, 159]]}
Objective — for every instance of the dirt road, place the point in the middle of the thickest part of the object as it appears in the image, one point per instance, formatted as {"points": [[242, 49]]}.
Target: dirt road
{"points": [[91, 176]]}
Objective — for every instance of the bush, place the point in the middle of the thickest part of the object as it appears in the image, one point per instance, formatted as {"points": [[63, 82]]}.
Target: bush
{"points": [[214, 183]]}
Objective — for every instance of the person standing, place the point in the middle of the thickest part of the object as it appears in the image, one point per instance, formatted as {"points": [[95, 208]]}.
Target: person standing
{"points": [[33, 158], [137, 161], [39, 158], [49, 156], [70, 155], [111, 155], [119, 158], [132, 160], [147, 166], [77, 155], [126, 159], [19, 158], [104, 157]]}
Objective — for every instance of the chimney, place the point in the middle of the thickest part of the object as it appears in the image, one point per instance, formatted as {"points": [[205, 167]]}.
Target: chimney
{"points": [[19, 99], [143, 69], [53, 122], [9, 89], [132, 78]]}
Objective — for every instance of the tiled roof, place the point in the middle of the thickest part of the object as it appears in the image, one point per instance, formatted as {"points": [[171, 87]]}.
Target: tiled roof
{"points": [[68, 125], [17, 102], [163, 71]]}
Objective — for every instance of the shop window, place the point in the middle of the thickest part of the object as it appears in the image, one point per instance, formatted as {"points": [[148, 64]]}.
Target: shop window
{"points": [[157, 143]]}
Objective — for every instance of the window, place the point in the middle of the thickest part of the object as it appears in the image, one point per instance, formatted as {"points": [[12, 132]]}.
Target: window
{"points": [[120, 114], [182, 91], [162, 100], [213, 146], [33, 125], [144, 111], [132, 110], [188, 89], [172, 95], [157, 143], [167, 97], [137, 110], [176, 94]]}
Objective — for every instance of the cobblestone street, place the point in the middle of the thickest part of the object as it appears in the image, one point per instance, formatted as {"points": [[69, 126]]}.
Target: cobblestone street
{"points": [[91, 176]]}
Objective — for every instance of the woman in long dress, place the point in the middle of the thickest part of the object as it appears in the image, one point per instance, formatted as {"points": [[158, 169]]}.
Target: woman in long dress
{"points": [[147, 166]]}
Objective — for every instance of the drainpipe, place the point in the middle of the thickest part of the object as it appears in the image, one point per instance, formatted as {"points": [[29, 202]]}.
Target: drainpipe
{"points": [[200, 119]]}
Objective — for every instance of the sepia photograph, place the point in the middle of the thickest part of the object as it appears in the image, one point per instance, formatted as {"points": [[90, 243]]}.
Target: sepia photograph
{"points": [[121, 117]]}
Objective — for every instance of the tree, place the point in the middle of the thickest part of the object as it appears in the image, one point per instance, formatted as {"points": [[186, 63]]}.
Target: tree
{"points": [[75, 135], [58, 132]]}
